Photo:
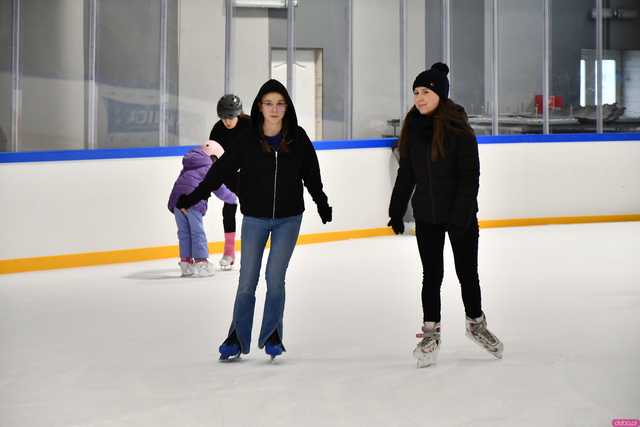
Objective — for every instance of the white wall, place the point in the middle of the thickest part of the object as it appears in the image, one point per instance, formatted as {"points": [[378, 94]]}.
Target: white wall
{"points": [[56, 208]]}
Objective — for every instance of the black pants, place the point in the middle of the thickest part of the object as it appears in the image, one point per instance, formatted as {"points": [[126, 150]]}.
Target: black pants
{"points": [[464, 243], [229, 218]]}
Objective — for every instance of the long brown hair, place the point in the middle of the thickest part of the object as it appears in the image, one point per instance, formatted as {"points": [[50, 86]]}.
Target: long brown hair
{"points": [[448, 117]]}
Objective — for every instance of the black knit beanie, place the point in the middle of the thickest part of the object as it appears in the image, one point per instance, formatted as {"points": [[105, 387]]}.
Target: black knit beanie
{"points": [[434, 79]]}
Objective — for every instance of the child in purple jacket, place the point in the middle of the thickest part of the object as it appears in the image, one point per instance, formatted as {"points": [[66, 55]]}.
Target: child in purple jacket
{"points": [[194, 248]]}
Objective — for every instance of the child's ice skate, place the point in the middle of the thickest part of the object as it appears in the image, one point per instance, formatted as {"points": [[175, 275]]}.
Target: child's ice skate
{"points": [[426, 352], [226, 263], [477, 331], [203, 269], [273, 347], [230, 349], [186, 269], [229, 255]]}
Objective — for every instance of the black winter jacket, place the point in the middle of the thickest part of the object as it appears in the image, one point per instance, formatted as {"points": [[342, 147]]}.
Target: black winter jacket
{"points": [[226, 137], [271, 182], [446, 190]]}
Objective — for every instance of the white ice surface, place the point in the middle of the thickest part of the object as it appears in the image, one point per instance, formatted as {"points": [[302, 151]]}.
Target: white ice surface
{"points": [[134, 345]]}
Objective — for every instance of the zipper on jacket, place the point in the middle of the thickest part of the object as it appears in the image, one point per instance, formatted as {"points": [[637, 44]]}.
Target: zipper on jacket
{"points": [[275, 180]]}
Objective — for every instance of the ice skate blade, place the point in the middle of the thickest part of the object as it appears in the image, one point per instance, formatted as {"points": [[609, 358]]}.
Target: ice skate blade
{"points": [[229, 359], [226, 268], [425, 359], [497, 352]]}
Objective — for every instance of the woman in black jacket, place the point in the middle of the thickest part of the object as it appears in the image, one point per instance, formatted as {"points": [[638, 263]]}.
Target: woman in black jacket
{"points": [[226, 130], [440, 166], [275, 158]]}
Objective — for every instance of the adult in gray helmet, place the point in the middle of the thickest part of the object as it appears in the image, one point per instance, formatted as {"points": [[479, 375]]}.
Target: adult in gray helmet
{"points": [[226, 130]]}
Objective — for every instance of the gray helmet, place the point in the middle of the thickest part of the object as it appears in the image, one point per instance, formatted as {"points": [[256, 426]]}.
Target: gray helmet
{"points": [[229, 106]]}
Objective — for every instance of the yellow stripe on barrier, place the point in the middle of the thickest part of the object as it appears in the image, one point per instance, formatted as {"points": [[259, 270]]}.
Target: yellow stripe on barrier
{"points": [[147, 254], [526, 222]]}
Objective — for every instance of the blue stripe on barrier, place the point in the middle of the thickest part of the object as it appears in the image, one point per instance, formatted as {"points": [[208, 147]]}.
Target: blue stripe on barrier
{"points": [[138, 152]]}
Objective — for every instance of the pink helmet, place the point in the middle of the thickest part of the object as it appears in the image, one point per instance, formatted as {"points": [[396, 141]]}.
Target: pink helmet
{"points": [[213, 148]]}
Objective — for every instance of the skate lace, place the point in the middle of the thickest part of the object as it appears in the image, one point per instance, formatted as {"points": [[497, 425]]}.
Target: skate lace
{"points": [[430, 340]]}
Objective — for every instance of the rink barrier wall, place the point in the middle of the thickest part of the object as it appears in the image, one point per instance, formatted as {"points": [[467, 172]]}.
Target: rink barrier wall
{"points": [[149, 254], [60, 236]]}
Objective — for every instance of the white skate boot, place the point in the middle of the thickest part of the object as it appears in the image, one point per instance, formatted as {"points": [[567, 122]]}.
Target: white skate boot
{"points": [[186, 268], [203, 269], [426, 352], [226, 262], [477, 331]]}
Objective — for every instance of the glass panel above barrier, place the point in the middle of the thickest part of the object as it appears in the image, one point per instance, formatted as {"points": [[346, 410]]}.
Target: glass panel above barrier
{"points": [[5, 75], [470, 63], [621, 66], [376, 67], [136, 63], [52, 106], [320, 65], [201, 68], [572, 93], [520, 68]]}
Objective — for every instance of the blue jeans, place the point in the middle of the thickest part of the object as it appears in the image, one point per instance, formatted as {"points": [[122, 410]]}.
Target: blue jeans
{"points": [[255, 232], [191, 235]]}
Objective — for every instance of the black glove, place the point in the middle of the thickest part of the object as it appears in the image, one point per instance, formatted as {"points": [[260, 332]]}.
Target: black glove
{"points": [[184, 202], [397, 225], [325, 212]]}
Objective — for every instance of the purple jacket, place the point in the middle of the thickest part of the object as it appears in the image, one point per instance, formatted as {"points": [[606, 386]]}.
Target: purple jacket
{"points": [[195, 165]]}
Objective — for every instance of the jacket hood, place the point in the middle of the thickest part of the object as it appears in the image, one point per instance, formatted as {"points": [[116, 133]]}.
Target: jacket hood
{"points": [[290, 120], [196, 158]]}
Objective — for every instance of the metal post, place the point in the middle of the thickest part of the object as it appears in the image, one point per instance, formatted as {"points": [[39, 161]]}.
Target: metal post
{"points": [[228, 35], [446, 39], [291, 53], [403, 58], [92, 87], [599, 55], [16, 74], [348, 99], [162, 120], [546, 67], [495, 60]]}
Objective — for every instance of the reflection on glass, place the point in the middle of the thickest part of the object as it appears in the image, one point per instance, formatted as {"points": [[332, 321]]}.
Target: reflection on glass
{"points": [[572, 74], [621, 67], [53, 89], [128, 73], [376, 71], [5, 75]]}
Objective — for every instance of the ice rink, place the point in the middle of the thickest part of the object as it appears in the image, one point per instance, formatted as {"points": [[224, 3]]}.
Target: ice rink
{"points": [[135, 345]]}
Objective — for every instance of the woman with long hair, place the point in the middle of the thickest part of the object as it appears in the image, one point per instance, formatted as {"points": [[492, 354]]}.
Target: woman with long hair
{"points": [[275, 158], [440, 166]]}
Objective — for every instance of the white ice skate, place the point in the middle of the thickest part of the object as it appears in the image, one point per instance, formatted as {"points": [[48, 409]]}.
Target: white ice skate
{"points": [[477, 331], [203, 269], [426, 352], [226, 262], [186, 268]]}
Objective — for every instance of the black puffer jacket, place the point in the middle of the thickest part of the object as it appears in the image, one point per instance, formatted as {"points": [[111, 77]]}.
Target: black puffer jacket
{"points": [[446, 190], [271, 181]]}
